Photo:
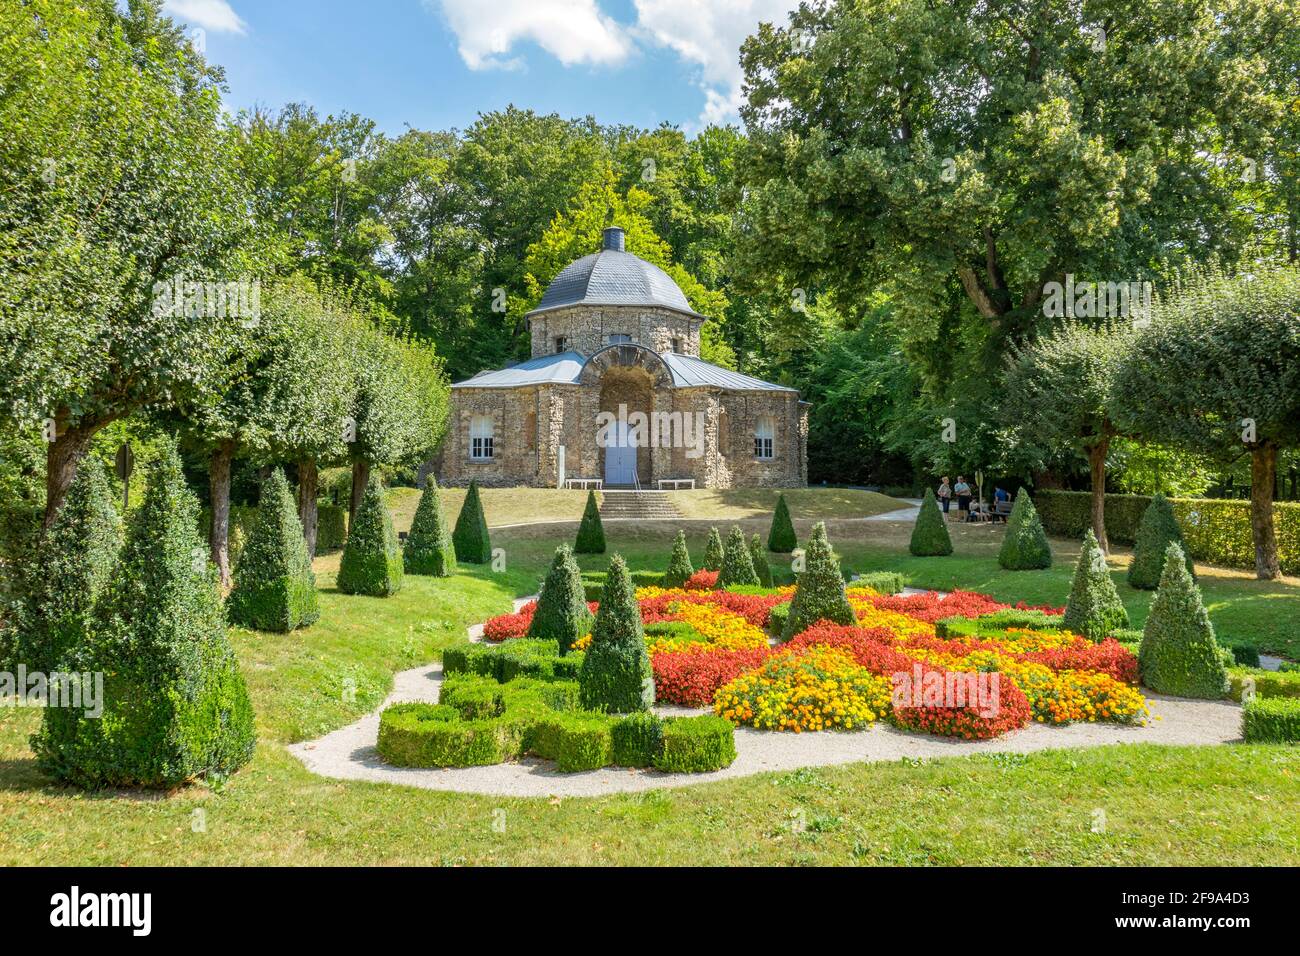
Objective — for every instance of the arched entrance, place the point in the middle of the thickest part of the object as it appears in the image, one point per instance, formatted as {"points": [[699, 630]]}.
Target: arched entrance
{"points": [[626, 401]]}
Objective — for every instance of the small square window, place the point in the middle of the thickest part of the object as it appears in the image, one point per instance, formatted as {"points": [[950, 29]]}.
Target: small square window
{"points": [[677, 346], [561, 344], [620, 339]]}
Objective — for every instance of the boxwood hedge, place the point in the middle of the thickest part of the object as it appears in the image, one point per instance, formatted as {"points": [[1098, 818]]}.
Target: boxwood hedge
{"points": [[1271, 720]]}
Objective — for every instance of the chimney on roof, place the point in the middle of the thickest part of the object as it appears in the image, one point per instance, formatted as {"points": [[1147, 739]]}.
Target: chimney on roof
{"points": [[613, 239]]}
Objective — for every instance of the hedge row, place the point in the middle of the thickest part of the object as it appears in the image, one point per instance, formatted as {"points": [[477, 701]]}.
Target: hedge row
{"points": [[1271, 720], [1266, 683], [522, 657], [1215, 530], [593, 582]]}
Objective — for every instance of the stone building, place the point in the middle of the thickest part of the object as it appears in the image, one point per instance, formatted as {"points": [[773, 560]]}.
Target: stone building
{"points": [[616, 390]]}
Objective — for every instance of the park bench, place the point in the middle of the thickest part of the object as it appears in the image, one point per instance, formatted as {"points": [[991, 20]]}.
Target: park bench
{"points": [[585, 484], [677, 483]]}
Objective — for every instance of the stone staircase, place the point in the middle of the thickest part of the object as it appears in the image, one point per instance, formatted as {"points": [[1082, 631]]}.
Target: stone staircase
{"points": [[637, 505]]}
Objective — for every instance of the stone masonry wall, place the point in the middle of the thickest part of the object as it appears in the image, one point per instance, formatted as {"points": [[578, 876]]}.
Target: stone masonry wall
{"points": [[587, 328]]}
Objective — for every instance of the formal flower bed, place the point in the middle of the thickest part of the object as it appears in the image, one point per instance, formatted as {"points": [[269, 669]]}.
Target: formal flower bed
{"points": [[982, 678]]}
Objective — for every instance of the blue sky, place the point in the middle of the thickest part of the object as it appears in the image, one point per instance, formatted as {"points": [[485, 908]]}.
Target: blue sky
{"points": [[435, 64]]}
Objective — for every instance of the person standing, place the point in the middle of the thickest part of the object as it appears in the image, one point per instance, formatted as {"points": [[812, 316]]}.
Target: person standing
{"points": [[962, 490], [945, 493]]}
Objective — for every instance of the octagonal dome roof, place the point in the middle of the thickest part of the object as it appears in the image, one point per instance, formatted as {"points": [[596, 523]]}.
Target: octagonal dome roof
{"points": [[613, 277]]}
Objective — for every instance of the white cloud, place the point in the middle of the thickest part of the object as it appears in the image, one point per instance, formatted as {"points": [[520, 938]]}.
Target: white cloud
{"points": [[214, 15], [573, 31], [708, 35]]}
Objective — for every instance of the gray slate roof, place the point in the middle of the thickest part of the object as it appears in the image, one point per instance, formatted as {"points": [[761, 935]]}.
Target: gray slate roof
{"points": [[565, 367], [612, 277]]}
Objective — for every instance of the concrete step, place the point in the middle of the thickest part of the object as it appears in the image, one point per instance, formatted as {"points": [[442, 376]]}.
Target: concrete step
{"points": [[644, 505]]}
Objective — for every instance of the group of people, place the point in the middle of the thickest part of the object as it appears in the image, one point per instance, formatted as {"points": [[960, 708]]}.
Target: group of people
{"points": [[962, 492]]}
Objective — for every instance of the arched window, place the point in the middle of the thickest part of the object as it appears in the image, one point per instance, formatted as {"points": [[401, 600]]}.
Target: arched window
{"points": [[481, 437], [764, 436]]}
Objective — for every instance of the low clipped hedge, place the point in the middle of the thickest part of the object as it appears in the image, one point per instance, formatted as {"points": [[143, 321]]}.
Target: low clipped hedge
{"points": [[1244, 655], [434, 735], [637, 739], [576, 742], [776, 619], [593, 582], [1266, 683], [1271, 720], [886, 582], [696, 745], [538, 659], [999, 621], [1215, 530], [331, 526]]}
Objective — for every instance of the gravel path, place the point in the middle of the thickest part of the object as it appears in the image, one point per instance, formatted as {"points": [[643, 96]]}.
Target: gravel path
{"points": [[349, 753], [910, 513]]}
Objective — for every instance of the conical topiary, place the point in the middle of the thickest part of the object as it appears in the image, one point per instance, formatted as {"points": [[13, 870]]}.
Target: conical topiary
{"points": [[591, 534], [471, 535], [428, 548], [759, 557], [930, 533], [1157, 530], [1094, 609], [1179, 654], [819, 590], [372, 560], [713, 551], [174, 706], [616, 675], [72, 568], [561, 614], [737, 565], [679, 564], [275, 589], [1025, 547], [780, 537]]}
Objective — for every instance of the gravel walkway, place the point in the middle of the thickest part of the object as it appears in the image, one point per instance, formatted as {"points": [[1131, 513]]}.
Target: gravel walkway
{"points": [[349, 753]]}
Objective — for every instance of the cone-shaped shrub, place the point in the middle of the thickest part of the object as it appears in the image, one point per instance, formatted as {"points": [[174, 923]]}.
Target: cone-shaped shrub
{"points": [[819, 591], [1179, 654], [471, 535], [679, 564], [930, 533], [1025, 547], [616, 675], [780, 537], [1094, 609], [759, 557], [713, 551], [73, 565], [591, 534], [372, 559], [275, 589], [174, 705], [1157, 530], [428, 549], [737, 565], [561, 614]]}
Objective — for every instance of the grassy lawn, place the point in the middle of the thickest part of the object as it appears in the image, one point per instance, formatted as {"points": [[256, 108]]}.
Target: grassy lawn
{"points": [[1164, 805]]}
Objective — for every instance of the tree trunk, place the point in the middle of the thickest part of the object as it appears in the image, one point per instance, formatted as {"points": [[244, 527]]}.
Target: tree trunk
{"points": [[219, 491], [360, 476], [307, 477], [61, 459], [1097, 465], [1263, 465]]}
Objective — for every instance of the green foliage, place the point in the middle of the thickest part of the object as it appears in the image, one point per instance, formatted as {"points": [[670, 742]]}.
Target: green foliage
{"points": [[997, 622], [593, 582], [175, 707], [1094, 609], [1245, 655], [331, 527], [275, 589], [1217, 531], [435, 735], [776, 620], [1156, 532], [616, 675], [576, 742], [591, 534], [1271, 721], [1179, 655], [73, 566], [561, 614], [759, 558], [471, 540], [780, 537], [537, 659], [713, 552], [637, 740], [696, 745], [737, 566], [372, 558], [428, 548], [930, 533], [819, 591], [1248, 681], [886, 582], [1024, 546], [679, 563]]}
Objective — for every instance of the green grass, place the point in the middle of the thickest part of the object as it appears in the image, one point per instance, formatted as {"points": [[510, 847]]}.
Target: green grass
{"points": [[1164, 805]]}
